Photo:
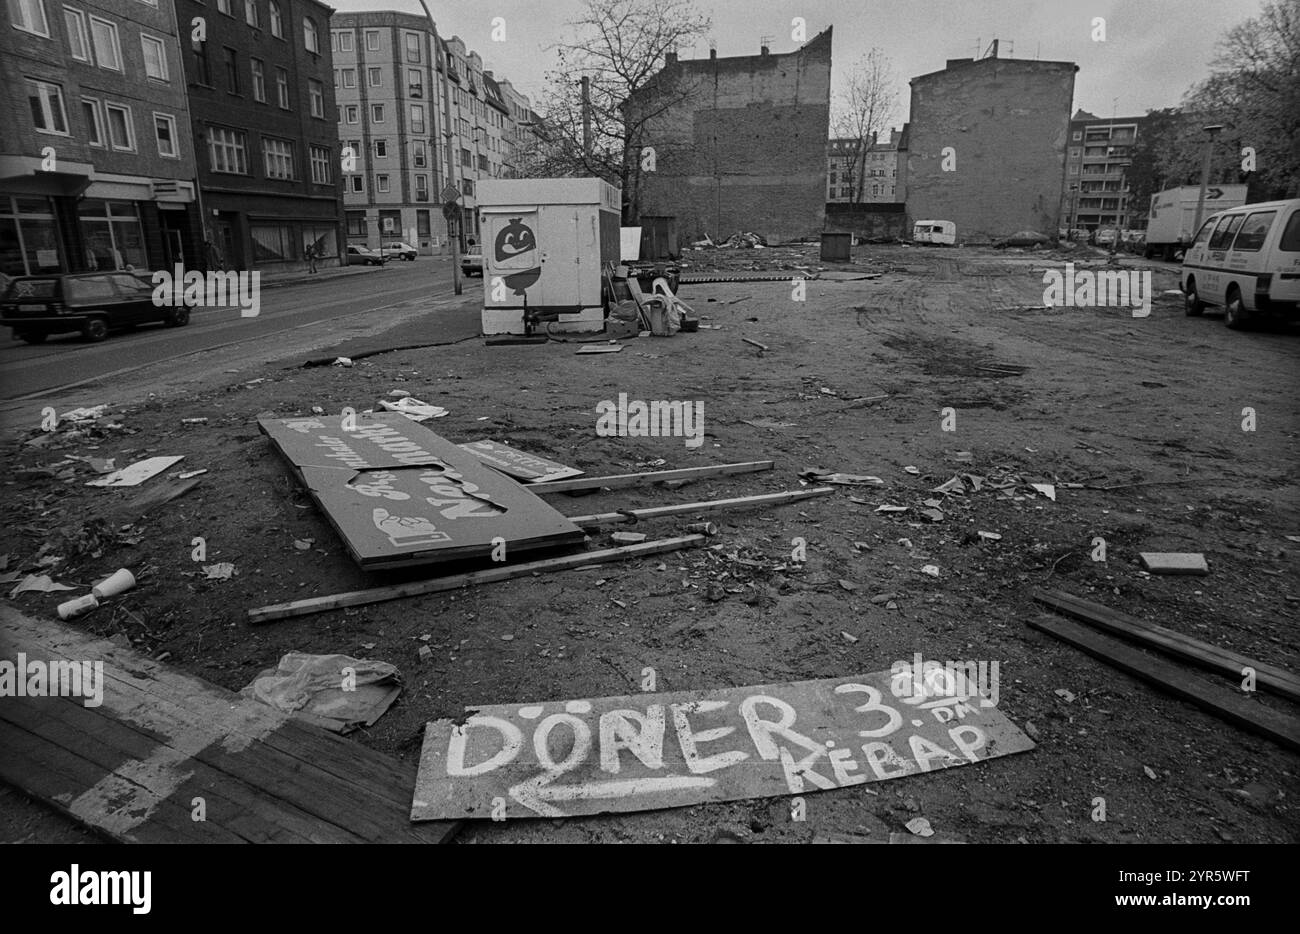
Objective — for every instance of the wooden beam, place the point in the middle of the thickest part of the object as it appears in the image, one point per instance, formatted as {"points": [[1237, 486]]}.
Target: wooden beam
{"points": [[1278, 680], [267, 614], [714, 505], [620, 480], [1245, 712]]}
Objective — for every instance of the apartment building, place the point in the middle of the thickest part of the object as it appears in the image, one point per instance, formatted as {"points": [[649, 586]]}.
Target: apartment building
{"points": [[1096, 188], [96, 161], [863, 171], [262, 108]]}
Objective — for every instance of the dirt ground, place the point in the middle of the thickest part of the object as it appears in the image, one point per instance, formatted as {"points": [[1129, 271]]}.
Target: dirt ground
{"points": [[856, 380]]}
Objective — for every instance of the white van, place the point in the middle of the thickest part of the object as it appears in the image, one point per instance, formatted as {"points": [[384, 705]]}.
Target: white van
{"points": [[1247, 261], [944, 232]]}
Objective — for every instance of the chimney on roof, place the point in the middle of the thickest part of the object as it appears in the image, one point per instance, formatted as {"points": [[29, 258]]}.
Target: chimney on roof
{"points": [[763, 49], [713, 51], [764, 44]]}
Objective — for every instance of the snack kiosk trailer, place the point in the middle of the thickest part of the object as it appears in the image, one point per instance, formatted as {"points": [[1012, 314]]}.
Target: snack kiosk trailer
{"points": [[546, 243]]}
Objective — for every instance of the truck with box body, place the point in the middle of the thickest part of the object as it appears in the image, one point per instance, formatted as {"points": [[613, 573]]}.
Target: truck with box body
{"points": [[1173, 215]]}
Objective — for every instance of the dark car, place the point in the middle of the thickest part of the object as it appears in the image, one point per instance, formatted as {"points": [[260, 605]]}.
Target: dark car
{"points": [[90, 302], [364, 256]]}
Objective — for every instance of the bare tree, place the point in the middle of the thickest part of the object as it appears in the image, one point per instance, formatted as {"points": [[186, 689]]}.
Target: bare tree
{"points": [[863, 110], [621, 46]]}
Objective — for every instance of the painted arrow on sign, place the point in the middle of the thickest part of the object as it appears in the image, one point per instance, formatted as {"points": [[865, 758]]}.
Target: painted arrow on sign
{"points": [[535, 793], [1213, 193]]}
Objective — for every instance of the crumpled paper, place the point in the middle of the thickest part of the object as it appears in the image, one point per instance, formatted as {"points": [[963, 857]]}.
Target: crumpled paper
{"points": [[315, 685]]}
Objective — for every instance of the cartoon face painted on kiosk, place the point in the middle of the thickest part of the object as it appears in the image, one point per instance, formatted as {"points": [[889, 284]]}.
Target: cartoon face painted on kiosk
{"points": [[515, 247]]}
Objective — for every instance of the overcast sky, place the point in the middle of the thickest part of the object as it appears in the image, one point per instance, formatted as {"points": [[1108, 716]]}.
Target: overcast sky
{"points": [[1154, 49]]}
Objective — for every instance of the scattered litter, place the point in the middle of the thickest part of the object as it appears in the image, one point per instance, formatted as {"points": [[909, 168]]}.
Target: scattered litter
{"points": [[1151, 773], [600, 348], [38, 583], [628, 538], [963, 456], [990, 536], [952, 486], [220, 571], [1293, 538], [118, 582], [920, 826], [343, 361], [702, 528], [767, 423], [100, 465], [755, 343], [816, 475], [137, 473], [931, 569], [1032, 730], [849, 585], [1175, 562], [78, 606], [194, 421], [1047, 489], [317, 410], [303, 544], [398, 393], [848, 637], [413, 409], [891, 509], [1065, 695], [912, 470], [975, 481], [934, 515], [883, 598], [345, 692], [187, 474], [83, 415], [425, 652], [507, 637]]}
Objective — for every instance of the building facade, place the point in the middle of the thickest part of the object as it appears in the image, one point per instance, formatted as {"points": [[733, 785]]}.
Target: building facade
{"points": [[1096, 190], [987, 145], [740, 144], [863, 171], [97, 168], [263, 113]]}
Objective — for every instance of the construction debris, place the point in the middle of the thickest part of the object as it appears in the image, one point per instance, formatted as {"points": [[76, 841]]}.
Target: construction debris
{"points": [[338, 692], [1174, 562], [137, 473]]}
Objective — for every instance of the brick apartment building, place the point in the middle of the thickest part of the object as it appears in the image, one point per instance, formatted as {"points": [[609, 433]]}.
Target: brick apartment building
{"points": [[1096, 189], [96, 164], [1006, 123], [263, 112], [745, 147], [864, 171]]}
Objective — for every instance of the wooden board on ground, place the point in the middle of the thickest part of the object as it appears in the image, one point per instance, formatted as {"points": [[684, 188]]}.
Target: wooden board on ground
{"points": [[1171, 642], [622, 480], [1174, 562], [399, 495], [1235, 707], [648, 751], [134, 765], [521, 465]]}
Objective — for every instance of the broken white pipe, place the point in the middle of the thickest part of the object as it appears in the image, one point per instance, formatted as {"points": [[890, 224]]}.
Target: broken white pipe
{"points": [[78, 606], [118, 582]]}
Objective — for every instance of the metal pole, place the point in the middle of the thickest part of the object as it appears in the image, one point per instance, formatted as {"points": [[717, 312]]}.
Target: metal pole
{"points": [[1205, 177], [446, 143], [586, 120]]}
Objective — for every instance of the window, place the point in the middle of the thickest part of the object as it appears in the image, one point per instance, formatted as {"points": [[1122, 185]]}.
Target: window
{"points": [[1074, 170], [375, 77], [277, 23], [422, 224], [357, 183], [46, 100], [422, 188], [420, 154], [108, 53], [412, 46], [282, 87], [1253, 232], [259, 79], [78, 41], [155, 57], [251, 16], [376, 113], [121, 133], [482, 162], [278, 154], [349, 77], [227, 152], [321, 161], [356, 221], [316, 93], [464, 158], [231, 59], [345, 42], [372, 40], [1225, 231], [381, 182], [1290, 242], [415, 82], [224, 7], [165, 130], [29, 16], [1078, 134], [417, 118], [467, 186], [353, 113], [381, 149], [202, 74], [310, 39], [94, 123]]}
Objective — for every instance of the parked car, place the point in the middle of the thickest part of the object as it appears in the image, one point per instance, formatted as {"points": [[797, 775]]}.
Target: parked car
{"points": [[471, 264], [396, 248], [1134, 241], [363, 256], [93, 303], [1247, 261], [1105, 236]]}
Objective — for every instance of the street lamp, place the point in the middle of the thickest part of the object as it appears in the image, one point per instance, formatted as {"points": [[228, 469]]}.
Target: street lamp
{"points": [[1211, 131]]}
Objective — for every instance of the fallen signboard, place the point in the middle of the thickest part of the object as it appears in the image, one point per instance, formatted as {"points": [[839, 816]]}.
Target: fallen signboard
{"points": [[400, 495], [649, 751], [519, 464]]}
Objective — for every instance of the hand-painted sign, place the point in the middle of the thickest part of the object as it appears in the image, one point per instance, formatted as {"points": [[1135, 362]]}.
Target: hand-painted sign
{"points": [[514, 250], [400, 495], [519, 464], [650, 751]]}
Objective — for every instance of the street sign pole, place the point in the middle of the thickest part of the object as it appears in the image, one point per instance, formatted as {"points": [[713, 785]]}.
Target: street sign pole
{"points": [[449, 210], [446, 112]]}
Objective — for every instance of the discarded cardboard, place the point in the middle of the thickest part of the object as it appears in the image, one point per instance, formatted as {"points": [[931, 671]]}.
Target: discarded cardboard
{"points": [[413, 409], [136, 473], [650, 751], [519, 464], [1159, 562], [400, 495], [600, 348]]}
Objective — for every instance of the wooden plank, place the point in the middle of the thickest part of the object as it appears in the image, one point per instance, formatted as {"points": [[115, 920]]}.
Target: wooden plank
{"points": [[1278, 680], [713, 505], [310, 605], [1240, 710], [672, 749], [621, 480], [128, 756]]}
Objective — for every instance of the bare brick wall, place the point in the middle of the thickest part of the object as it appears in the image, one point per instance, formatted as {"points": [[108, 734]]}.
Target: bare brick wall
{"points": [[747, 150], [1009, 122]]}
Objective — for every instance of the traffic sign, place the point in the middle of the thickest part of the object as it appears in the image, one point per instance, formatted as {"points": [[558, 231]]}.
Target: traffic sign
{"points": [[451, 194]]}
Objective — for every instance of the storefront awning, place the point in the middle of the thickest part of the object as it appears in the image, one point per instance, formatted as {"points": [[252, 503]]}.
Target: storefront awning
{"points": [[24, 175]]}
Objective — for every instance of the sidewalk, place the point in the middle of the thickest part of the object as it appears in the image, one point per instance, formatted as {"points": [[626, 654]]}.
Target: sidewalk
{"points": [[273, 280]]}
